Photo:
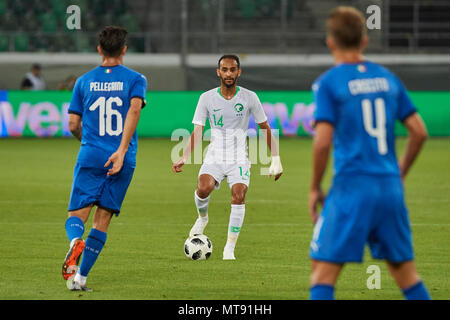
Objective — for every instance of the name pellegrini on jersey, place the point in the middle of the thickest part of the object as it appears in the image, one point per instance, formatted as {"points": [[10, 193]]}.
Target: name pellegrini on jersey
{"points": [[106, 86]]}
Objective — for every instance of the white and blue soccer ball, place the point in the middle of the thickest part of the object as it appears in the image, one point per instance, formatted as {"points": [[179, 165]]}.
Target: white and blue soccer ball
{"points": [[198, 247]]}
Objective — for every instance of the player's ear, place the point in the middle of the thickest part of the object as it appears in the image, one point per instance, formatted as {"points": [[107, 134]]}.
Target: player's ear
{"points": [[239, 72], [330, 43], [218, 72], [99, 50], [364, 42], [124, 50]]}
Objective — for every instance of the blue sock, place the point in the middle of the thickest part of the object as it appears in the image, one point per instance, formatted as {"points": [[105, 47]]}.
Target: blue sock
{"points": [[417, 291], [94, 245], [321, 292], [74, 228]]}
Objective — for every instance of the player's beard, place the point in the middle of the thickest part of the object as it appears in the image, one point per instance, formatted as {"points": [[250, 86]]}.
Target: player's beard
{"points": [[227, 84]]}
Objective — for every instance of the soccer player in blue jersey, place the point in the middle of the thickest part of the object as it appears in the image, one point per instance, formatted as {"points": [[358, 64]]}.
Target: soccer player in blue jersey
{"points": [[103, 114], [357, 105]]}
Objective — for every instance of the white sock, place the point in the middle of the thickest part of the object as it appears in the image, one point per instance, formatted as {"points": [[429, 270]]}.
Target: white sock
{"points": [[234, 227], [202, 206], [80, 279]]}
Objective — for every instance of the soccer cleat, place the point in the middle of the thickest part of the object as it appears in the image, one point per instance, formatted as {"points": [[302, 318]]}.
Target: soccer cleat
{"points": [[75, 286], [72, 258], [198, 227], [228, 255]]}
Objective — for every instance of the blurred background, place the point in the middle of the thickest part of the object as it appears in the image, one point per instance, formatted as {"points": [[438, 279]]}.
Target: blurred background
{"points": [[175, 43]]}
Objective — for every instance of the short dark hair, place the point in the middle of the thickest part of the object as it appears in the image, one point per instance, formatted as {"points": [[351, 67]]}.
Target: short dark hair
{"points": [[347, 26], [230, 56], [112, 39]]}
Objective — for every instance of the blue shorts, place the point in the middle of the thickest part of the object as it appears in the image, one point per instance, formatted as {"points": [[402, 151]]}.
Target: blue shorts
{"points": [[363, 209], [91, 185]]}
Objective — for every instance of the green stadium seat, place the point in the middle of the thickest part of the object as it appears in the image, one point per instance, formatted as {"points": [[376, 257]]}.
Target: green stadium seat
{"points": [[22, 42], [97, 7], [41, 43], [30, 22], [108, 19], [4, 43], [19, 8], [59, 6], [83, 43], [68, 42], [247, 8], [89, 22], [83, 4], [9, 22], [120, 6], [3, 7], [49, 22], [129, 22]]}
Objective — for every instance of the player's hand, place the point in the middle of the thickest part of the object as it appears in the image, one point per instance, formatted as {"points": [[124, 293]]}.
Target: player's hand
{"points": [[176, 167], [316, 196], [276, 169], [117, 160]]}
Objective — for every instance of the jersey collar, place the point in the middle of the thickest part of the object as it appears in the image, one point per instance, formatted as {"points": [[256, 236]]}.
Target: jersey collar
{"points": [[237, 90]]}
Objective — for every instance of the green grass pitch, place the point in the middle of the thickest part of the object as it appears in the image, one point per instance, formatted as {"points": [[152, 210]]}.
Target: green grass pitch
{"points": [[143, 257]]}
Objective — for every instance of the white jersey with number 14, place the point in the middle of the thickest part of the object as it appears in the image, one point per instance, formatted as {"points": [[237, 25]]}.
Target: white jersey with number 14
{"points": [[229, 123]]}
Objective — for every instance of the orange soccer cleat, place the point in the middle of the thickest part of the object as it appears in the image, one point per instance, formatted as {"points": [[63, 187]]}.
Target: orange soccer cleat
{"points": [[72, 258]]}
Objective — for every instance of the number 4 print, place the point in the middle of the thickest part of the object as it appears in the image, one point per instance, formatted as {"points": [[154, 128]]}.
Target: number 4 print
{"points": [[379, 131]]}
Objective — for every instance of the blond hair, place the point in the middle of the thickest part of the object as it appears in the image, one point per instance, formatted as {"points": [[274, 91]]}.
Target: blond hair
{"points": [[347, 26]]}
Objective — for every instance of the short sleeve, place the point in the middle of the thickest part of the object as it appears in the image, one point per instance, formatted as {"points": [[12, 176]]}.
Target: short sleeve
{"points": [[139, 89], [257, 110], [325, 111], [201, 112], [76, 104], [405, 105]]}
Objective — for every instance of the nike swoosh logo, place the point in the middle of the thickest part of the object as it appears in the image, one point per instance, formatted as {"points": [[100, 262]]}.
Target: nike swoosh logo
{"points": [[215, 110]]}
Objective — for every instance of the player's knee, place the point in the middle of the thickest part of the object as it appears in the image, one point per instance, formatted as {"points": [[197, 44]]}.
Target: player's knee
{"points": [[102, 219], [205, 186], [238, 192], [203, 191], [238, 197], [83, 213], [325, 273]]}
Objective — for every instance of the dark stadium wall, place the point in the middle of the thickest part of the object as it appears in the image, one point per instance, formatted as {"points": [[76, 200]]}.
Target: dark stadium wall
{"points": [[433, 77], [161, 78], [416, 77]]}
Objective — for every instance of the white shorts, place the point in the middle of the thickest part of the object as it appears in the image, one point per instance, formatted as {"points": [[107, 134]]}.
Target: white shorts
{"points": [[235, 172]]}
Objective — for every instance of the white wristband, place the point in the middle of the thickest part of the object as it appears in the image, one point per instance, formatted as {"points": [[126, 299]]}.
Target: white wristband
{"points": [[275, 166]]}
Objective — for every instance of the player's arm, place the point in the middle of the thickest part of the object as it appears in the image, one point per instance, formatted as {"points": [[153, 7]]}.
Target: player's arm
{"points": [[276, 169], [417, 134], [194, 139], [321, 150], [76, 110], [131, 122], [75, 125]]}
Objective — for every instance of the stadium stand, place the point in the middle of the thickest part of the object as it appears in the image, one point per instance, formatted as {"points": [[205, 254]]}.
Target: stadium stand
{"points": [[181, 39], [266, 26]]}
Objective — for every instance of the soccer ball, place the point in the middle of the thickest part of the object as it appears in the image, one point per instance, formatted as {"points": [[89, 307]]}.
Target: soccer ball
{"points": [[198, 247]]}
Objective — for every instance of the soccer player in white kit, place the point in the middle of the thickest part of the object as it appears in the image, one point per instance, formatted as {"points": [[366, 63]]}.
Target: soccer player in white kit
{"points": [[228, 109]]}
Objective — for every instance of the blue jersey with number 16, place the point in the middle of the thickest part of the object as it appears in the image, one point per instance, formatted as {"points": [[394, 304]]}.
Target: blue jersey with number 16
{"points": [[362, 101], [102, 98]]}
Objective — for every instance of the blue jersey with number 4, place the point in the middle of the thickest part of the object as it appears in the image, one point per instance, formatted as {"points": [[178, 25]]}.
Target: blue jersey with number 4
{"points": [[102, 98], [362, 101]]}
